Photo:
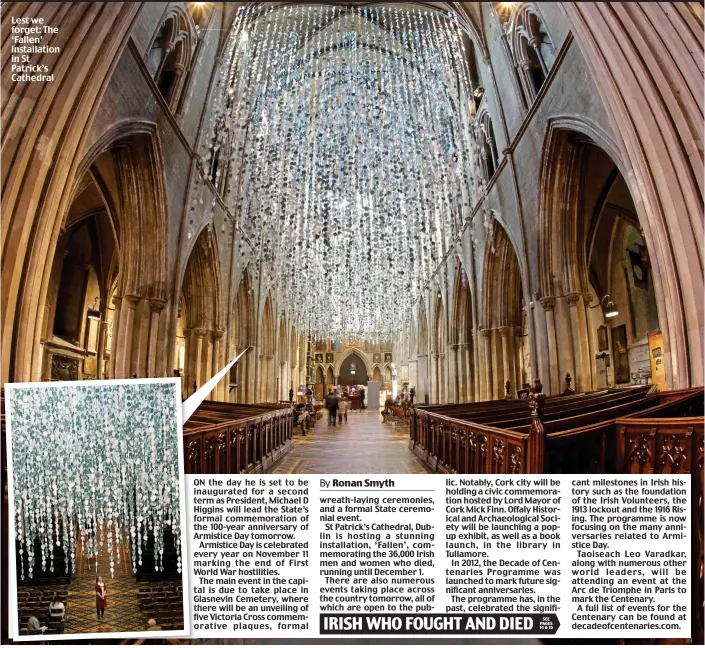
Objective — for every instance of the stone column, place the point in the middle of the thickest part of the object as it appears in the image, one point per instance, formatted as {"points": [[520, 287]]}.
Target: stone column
{"points": [[535, 42], [580, 342], [515, 340], [117, 302], [471, 384], [487, 359], [140, 339], [217, 365], [195, 360], [163, 352], [462, 370], [525, 66], [156, 306], [454, 383], [434, 378], [206, 370], [548, 304], [123, 344], [475, 369], [506, 359]]}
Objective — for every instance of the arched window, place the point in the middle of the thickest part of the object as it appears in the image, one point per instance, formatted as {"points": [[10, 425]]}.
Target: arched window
{"points": [[489, 158], [531, 48], [170, 55]]}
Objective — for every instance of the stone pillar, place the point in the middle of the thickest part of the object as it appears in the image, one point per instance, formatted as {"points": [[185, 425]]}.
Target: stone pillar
{"points": [[580, 342], [140, 339], [195, 360], [462, 370], [525, 66], [475, 369], [117, 302], [517, 355], [123, 344], [434, 378], [156, 306], [471, 384], [549, 303], [217, 364], [454, 383], [496, 351], [487, 359], [163, 353], [535, 42], [206, 370], [506, 358]]}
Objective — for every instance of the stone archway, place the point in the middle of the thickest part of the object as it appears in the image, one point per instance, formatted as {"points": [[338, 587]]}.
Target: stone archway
{"points": [[502, 305], [580, 188], [204, 331], [352, 370], [363, 370]]}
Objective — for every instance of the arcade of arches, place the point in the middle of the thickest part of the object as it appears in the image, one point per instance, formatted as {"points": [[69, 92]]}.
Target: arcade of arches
{"points": [[122, 258]]}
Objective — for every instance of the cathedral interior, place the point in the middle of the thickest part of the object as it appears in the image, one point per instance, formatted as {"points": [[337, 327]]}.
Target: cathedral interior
{"points": [[478, 202]]}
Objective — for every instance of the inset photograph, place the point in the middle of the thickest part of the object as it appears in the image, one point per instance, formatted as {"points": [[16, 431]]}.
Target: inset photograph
{"points": [[96, 486]]}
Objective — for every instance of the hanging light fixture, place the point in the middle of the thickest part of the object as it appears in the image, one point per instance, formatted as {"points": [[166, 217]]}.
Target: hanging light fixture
{"points": [[610, 309], [350, 157], [94, 467]]}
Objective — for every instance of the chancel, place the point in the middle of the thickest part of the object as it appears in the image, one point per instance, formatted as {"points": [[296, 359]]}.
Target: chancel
{"points": [[476, 227]]}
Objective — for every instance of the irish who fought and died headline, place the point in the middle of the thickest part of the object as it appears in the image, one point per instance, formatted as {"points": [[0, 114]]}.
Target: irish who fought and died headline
{"points": [[293, 556]]}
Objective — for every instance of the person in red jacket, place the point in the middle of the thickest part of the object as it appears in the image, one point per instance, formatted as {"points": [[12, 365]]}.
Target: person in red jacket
{"points": [[100, 597]]}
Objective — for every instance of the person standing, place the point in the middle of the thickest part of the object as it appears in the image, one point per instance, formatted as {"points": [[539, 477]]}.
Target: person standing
{"points": [[344, 406], [100, 597], [57, 610], [362, 398], [332, 407]]}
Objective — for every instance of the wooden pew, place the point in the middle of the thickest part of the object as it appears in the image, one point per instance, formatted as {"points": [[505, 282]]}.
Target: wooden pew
{"points": [[226, 438]]}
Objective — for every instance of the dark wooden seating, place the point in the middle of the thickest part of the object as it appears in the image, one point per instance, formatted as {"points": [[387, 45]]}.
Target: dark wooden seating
{"points": [[164, 604], [35, 603], [612, 431], [226, 438]]}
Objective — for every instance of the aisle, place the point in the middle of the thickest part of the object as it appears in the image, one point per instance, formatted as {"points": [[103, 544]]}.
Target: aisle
{"points": [[363, 445]]}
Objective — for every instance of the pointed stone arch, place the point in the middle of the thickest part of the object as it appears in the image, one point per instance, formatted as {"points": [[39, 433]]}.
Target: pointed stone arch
{"points": [[242, 337], [120, 191], [266, 347], [461, 337], [353, 352], [204, 332], [502, 307], [439, 340], [567, 225]]}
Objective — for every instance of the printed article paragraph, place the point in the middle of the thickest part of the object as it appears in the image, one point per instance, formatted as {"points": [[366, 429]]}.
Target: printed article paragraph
{"points": [[526, 555]]}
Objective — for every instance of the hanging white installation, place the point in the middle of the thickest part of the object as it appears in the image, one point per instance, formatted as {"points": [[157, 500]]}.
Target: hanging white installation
{"points": [[93, 466], [341, 140]]}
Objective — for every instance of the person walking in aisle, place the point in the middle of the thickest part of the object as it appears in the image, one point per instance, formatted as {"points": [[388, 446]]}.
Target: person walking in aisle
{"points": [[343, 408], [332, 407]]}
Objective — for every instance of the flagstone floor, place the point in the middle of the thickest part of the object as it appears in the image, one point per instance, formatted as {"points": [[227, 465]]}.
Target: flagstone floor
{"points": [[362, 445]]}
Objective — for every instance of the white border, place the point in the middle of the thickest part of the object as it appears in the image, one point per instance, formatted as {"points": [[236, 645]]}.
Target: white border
{"points": [[12, 584]]}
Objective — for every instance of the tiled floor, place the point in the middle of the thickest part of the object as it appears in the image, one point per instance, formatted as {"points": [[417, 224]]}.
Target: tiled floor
{"points": [[122, 612], [362, 445]]}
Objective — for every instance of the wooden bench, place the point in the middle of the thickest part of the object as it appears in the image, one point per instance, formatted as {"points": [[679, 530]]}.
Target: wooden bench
{"points": [[226, 438]]}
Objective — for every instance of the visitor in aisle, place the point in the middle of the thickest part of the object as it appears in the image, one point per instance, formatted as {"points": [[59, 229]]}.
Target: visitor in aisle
{"points": [[343, 406], [332, 407], [362, 398]]}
